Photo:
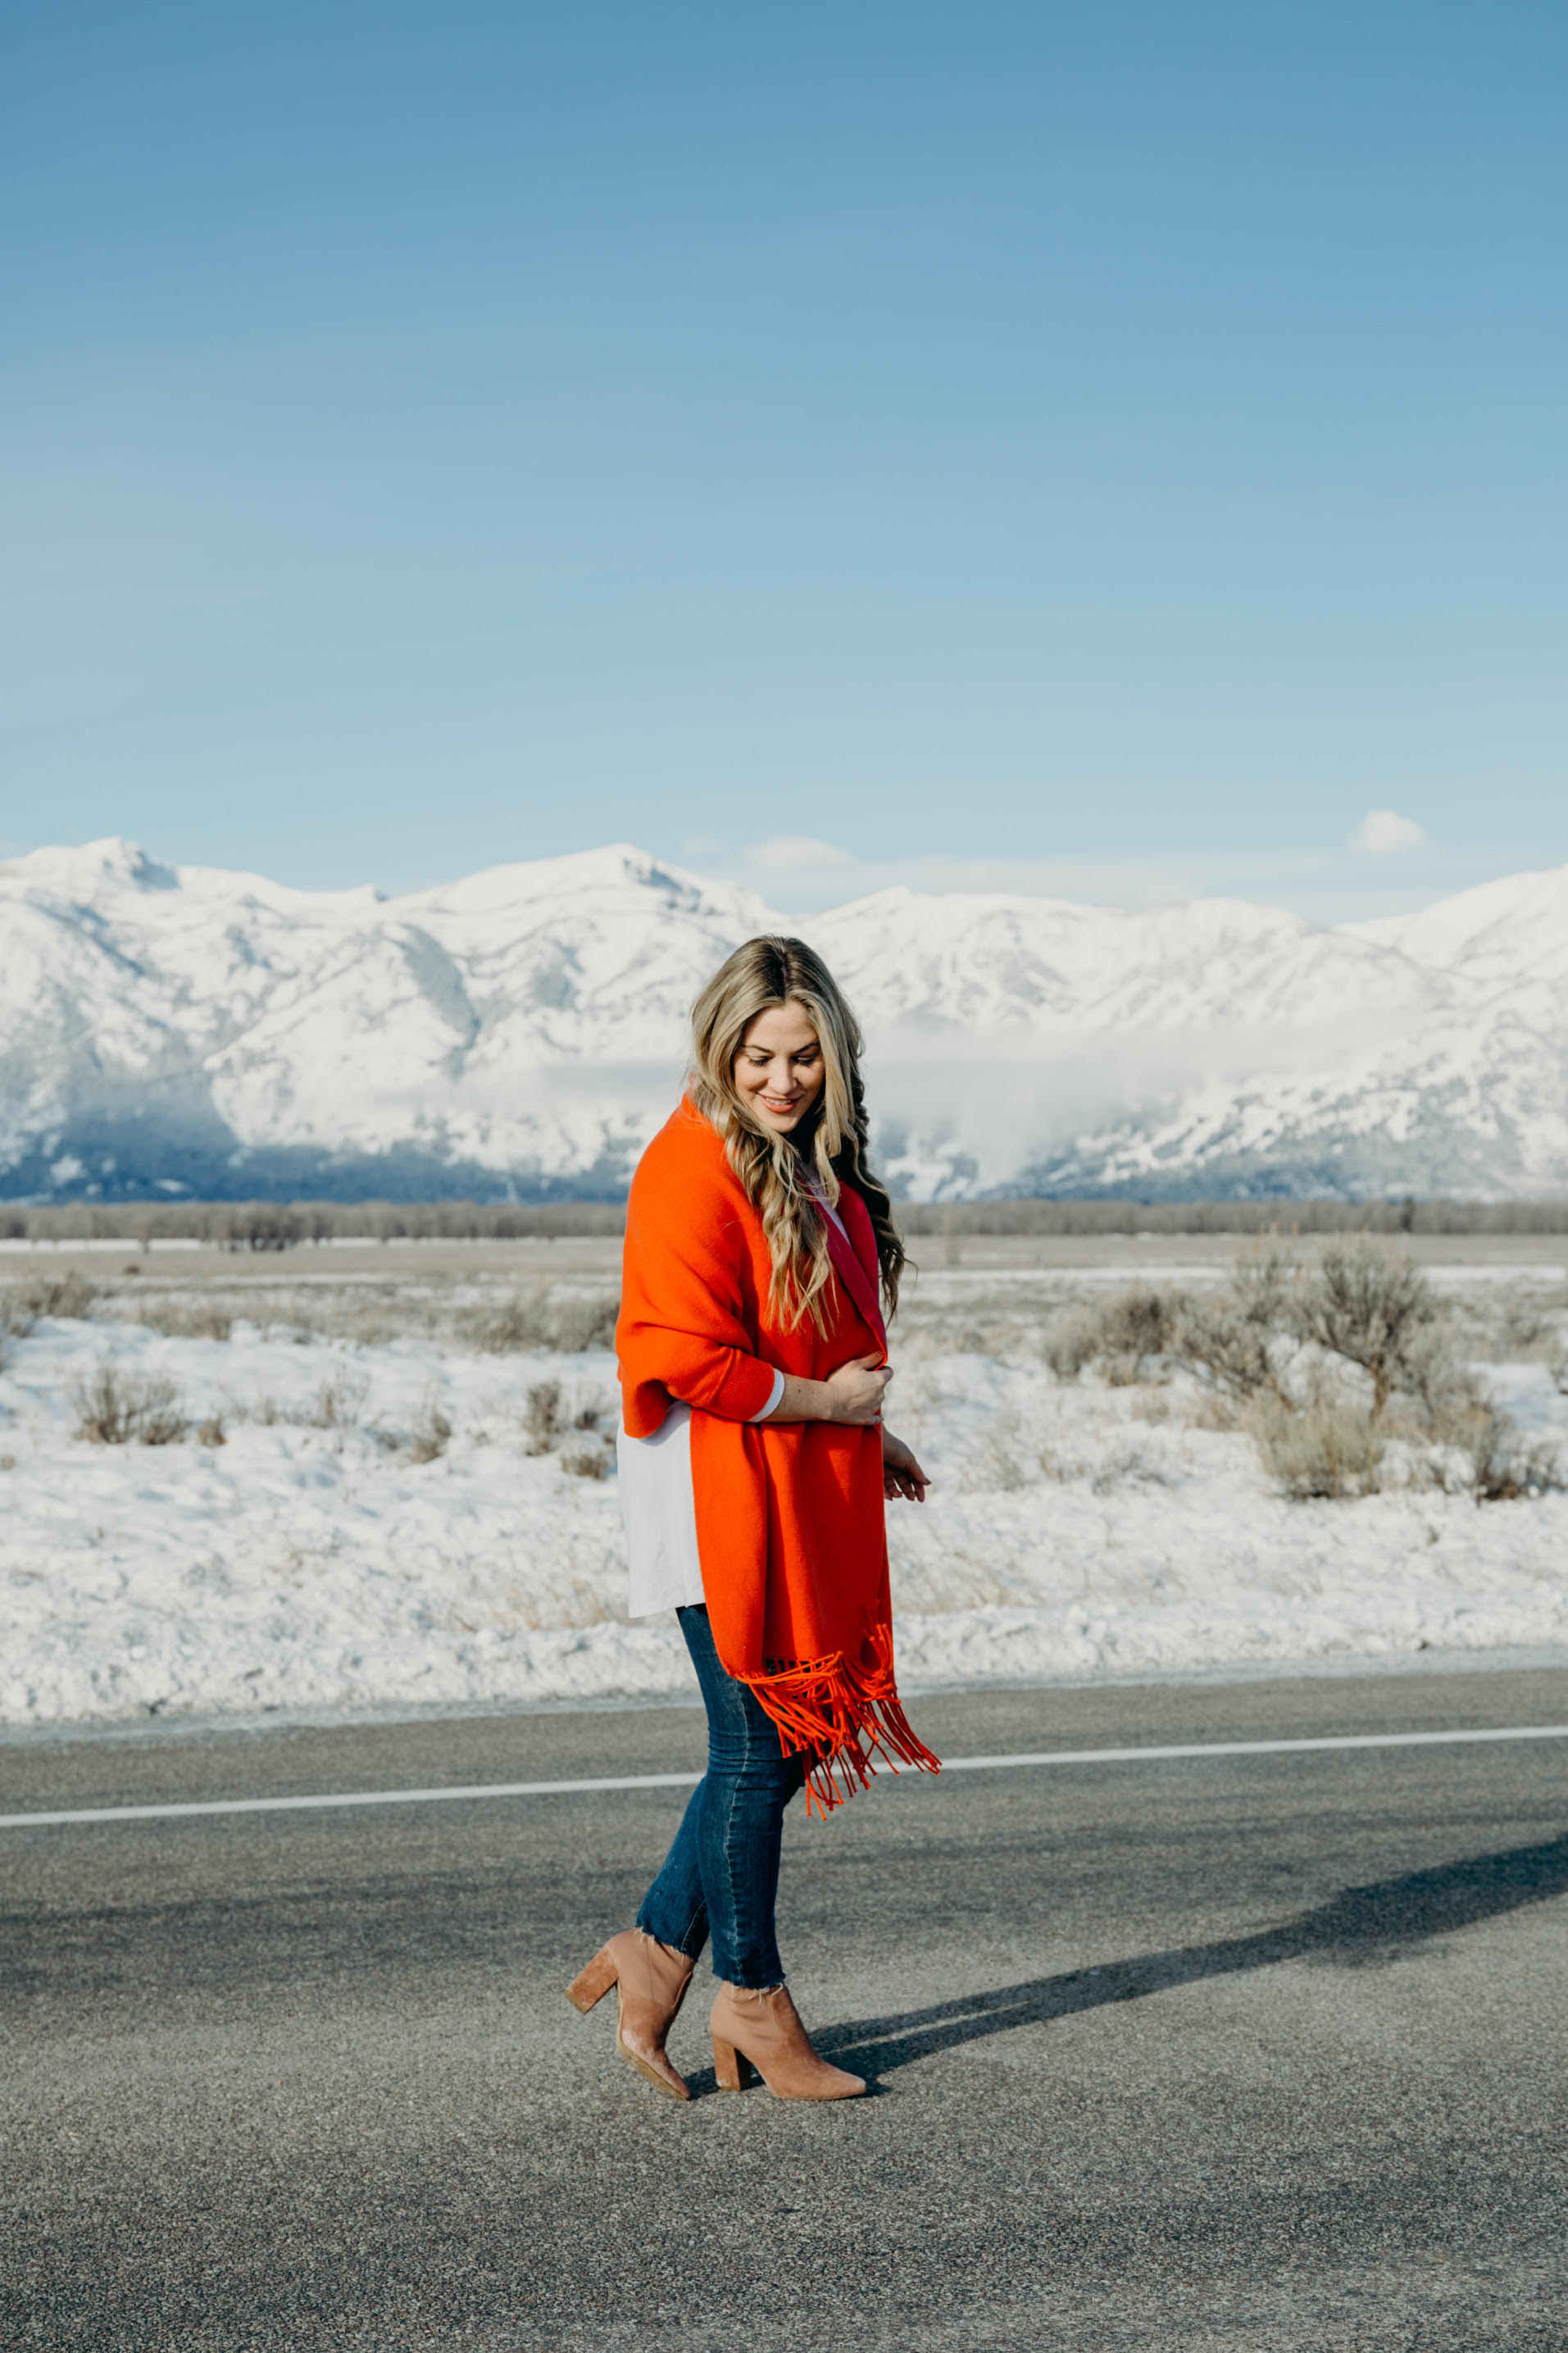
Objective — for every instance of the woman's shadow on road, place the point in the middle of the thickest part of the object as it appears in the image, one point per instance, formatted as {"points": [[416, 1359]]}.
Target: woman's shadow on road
{"points": [[1362, 1927]]}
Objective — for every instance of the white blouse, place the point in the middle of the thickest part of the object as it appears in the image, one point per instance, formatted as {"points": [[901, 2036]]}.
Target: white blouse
{"points": [[659, 1507]]}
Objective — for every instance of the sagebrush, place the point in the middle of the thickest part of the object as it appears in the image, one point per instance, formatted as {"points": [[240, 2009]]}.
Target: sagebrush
{"points": [[44, 1297], [538, 1319], [115, 1408], [1313, 1362]]}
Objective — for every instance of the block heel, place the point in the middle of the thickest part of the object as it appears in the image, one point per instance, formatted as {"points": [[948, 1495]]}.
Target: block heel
{"points": [[732, 2067], [592, 1984]]}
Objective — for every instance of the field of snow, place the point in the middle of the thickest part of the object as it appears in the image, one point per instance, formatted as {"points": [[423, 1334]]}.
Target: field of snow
{"points": [[300, 1556]]}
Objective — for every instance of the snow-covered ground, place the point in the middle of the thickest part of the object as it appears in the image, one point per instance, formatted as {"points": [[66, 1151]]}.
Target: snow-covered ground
{"points": [[309, 1561]]}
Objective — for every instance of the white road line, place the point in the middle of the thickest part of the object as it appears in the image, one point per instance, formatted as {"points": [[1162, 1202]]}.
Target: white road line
{"points": [[349, 1798], [690, 1780]]}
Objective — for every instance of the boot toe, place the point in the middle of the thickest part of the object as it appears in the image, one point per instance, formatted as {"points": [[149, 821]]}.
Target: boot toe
{"points": [[654, 2068], [832, 2084]]}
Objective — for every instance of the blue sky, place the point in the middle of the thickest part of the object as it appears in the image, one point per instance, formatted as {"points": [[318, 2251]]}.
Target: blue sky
{"points": [[1103, 449]]}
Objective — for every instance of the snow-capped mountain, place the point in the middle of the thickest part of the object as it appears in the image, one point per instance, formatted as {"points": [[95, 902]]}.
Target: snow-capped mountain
{"points": [[523, 1032]]}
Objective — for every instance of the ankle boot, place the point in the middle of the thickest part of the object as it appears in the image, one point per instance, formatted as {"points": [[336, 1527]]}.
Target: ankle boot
{"points": [[651, 1981], [764, 2029]]}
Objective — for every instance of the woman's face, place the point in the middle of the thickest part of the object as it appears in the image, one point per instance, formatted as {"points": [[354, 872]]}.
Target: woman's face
{"points": [[778, 1069]]}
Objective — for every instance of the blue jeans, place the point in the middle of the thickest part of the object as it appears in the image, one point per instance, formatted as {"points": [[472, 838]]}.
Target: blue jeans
{"points": [[721, 1876]]}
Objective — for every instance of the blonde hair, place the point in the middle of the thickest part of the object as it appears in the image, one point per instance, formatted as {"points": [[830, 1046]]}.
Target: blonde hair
{"points": [[827, 1147]]}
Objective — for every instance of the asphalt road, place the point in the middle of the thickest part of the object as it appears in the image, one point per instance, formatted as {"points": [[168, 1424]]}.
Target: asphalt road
{"points": [[1262, 2052]]}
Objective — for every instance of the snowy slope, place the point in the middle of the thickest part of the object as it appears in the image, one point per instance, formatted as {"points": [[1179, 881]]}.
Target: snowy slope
{"points": [[220, 1033], [523, 1030], [1512, 933]]}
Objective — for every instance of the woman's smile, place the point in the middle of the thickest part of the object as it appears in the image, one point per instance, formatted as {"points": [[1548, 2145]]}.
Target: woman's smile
{"points": [[778, 1069]]}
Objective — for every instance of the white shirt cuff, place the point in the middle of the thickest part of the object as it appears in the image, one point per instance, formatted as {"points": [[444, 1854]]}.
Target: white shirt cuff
{"points": [[772, 1403]]}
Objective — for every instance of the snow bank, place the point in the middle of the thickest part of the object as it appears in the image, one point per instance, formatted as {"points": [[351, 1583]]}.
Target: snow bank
{"points": [[1071, 1531]]}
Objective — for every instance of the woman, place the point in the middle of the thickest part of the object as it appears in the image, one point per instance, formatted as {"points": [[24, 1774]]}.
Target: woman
{"points": [[755, 1464]]}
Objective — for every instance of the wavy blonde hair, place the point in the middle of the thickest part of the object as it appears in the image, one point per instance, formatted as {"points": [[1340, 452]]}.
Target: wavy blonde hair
{"points": [[827, 1147]]}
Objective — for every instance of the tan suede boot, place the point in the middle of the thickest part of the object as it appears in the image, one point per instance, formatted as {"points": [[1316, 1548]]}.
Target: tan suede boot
{"points": [[764, 2028], [651, 1981]]}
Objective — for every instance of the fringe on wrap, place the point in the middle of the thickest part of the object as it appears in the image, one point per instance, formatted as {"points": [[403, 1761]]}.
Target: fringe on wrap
{"points": [[843, 1715]]}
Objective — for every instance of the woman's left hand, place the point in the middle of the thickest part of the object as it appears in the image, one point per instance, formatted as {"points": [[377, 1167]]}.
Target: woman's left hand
{"points": [[901, 1474]]}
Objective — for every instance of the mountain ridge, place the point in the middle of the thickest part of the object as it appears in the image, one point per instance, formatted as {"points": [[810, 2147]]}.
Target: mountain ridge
{"points": [[519, 1032]]}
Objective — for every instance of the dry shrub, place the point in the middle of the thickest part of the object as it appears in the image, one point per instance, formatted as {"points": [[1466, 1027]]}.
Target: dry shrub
{"points": [[1241, 1344], [517, 1322], [586, 1462], [1448, 1411], [582, 1323], [1508, 1469], [1237, 1344], [542, 1417], [67, 1298], [537, 1320], [337, 1404], [117, 1408], [1283, 1349], [1505, 1467], [547, 1421], [1524, 1330], [592, 1461], [361, 1320], [374, 1324], [339, 1401], [1376, 1311], [161, 1417], [1065, 1469], [432, 1430], [184, 1319], [211, 1431], [1123, 1336], [1136, 1331], [1362, 1306], [1071, 1344], [1325, 1449]]}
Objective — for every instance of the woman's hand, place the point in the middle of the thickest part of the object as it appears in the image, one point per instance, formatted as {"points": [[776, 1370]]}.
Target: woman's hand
{"points": [[901, 1474], [853, 1394], [855, 1389]]}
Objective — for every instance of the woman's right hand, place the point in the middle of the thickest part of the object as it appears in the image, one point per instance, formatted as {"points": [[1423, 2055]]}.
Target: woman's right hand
{"points": [[856, 1389]]}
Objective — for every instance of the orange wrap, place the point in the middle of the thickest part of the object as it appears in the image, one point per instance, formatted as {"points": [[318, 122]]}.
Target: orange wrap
{"points": [[790, 1529]]}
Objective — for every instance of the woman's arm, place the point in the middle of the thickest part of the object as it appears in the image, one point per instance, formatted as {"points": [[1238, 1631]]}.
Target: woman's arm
{"points": [[853, 1394], [682, 1332]]}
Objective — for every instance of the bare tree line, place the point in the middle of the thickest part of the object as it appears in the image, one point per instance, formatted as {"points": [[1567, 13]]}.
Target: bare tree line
{"points": [[284, 1225], [1125, 1217]]}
